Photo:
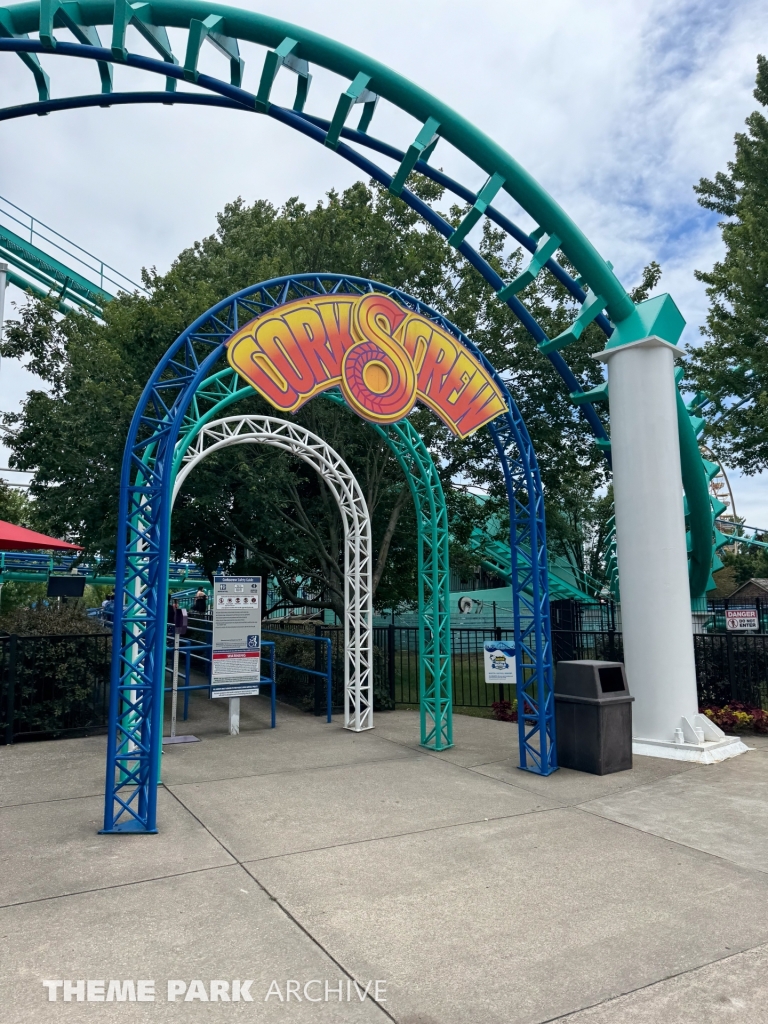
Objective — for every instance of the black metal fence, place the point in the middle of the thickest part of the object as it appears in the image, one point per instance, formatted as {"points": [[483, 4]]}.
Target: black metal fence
{"points": [[729, 667], [53, 685], [396, 665], [732, 667]]}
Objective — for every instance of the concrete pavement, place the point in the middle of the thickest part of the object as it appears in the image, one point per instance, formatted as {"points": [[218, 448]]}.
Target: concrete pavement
{"points": [[472, 892]]}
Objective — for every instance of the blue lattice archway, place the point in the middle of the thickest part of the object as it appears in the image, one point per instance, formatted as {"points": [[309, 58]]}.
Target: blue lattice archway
{"points": [[146, 487]]}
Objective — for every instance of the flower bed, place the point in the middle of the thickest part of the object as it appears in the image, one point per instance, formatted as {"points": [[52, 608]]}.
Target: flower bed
{"points": [[737, 717]]}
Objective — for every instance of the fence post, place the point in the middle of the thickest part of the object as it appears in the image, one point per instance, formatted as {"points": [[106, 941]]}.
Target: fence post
{"points": [[731, 667], [11, 702], [318, 668], [391, 660]]}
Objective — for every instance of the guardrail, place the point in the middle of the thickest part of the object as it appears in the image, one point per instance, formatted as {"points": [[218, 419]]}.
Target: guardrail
{"points": [[49, 241]]}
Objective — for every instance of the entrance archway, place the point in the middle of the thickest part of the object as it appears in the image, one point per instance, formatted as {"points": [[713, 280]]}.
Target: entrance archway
{"points": [[659, 650], [341, 481], [224, 388], [144, 540]]}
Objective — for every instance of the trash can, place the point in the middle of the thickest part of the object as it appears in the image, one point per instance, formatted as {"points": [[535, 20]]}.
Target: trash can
{"points": [[593, 717]]}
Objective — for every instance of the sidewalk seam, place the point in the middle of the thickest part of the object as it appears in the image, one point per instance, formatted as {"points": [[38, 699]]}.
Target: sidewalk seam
{"points": [[653, 984], [284, 909]]}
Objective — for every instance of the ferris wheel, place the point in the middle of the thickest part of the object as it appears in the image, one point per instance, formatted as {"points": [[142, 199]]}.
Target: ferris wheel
{"points": [[720, 488]]}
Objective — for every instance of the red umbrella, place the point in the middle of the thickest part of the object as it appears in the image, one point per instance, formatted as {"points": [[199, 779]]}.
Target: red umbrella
{"points": [[17, 538]]}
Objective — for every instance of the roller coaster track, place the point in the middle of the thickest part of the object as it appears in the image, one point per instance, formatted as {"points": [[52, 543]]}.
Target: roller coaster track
{"points": [[34, 567], [55, 266], [601, 296]]}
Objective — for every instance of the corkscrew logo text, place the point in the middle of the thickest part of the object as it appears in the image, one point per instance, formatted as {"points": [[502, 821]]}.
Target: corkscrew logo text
{"points": [[383, 357]]}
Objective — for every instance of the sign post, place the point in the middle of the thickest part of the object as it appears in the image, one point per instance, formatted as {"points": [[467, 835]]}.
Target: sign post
{"points": [[236, 642]]}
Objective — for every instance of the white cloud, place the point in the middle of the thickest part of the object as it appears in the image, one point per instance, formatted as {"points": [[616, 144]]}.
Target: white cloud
{"points": [[617, 107]]}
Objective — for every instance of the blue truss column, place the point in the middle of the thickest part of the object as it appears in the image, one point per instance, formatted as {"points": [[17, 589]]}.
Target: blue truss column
{"points": [[533, 645]]}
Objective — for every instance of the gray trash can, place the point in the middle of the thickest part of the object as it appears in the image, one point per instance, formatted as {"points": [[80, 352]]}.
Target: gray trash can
{"points": [[593, 717]]}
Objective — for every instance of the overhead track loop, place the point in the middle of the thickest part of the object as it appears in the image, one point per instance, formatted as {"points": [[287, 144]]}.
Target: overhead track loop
{"points": [[370, 80]]}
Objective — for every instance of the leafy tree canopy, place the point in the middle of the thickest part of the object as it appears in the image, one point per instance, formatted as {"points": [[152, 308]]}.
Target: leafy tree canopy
{"points": [[732, 366], [267, 509]]}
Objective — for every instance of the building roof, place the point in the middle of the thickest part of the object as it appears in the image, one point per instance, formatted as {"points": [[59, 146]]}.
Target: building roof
{"points": [[761, 583]]}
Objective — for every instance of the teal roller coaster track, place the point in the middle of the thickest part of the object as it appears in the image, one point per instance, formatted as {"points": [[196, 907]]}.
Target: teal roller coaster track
{"points": [[291, 48]]}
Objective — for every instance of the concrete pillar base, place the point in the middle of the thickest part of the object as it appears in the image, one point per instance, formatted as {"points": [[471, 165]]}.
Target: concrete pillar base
{"points": [[709, 752], [697, 739]]}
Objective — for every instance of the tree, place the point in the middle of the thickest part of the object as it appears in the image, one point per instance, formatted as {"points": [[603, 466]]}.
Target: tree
{"points": [[14, 506], [731, 367], [257, 506]]}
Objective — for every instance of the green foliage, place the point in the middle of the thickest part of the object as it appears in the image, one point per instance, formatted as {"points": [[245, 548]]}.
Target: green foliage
{"points": [[749, 564], [577, 527], [732, 365], [16, 594], [15, 506], [257, 509], [61, 684], [48, 619]]}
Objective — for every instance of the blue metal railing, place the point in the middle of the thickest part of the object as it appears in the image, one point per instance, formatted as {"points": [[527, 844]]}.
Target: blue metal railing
{"points": [[42, 564], [189, 648], [326, 673]]}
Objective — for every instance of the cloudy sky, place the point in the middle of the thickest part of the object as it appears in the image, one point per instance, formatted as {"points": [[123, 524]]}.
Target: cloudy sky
{"points": [[616, 106]]}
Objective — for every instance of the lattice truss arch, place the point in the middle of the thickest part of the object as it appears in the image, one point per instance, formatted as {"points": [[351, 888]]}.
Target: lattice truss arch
{"points": [[225, 387], [168, 405], [341, 481], [291, 48]]}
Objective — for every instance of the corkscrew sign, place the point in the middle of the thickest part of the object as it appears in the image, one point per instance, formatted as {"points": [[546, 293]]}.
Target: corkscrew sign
{"points": [[383, 356]]}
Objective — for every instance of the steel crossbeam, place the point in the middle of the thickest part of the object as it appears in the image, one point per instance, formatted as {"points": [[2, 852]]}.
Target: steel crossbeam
{"points": [[435, 691]]}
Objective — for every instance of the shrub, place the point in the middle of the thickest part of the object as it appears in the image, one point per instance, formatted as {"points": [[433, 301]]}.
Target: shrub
{"points": [[504, 710], [50, 620]]}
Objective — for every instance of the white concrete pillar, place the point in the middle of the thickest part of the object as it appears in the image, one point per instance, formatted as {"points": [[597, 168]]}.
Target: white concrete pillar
{"points": [[652, 557]]}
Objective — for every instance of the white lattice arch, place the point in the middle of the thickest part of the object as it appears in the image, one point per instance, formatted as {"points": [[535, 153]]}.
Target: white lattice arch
{"points": [[358, 608]]}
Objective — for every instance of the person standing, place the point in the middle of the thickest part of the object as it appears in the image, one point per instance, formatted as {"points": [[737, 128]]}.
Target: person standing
{"points": [[201, 602]]}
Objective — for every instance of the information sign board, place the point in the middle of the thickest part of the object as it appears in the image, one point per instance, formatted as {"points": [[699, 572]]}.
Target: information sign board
{"points": [[236, 640], [499, 661], [741, 620]]}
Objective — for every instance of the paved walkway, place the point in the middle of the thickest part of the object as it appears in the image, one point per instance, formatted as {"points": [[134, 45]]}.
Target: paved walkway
{"points": [[473, 892]]}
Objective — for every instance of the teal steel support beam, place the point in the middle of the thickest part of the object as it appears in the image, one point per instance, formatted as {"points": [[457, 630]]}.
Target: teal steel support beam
{"points": [[484, 199], [30, 60], [358, 92], [547, 247], [68, 15], [284, 56], [141, 16], [212, 28], [420, 149], [49, 274]]}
